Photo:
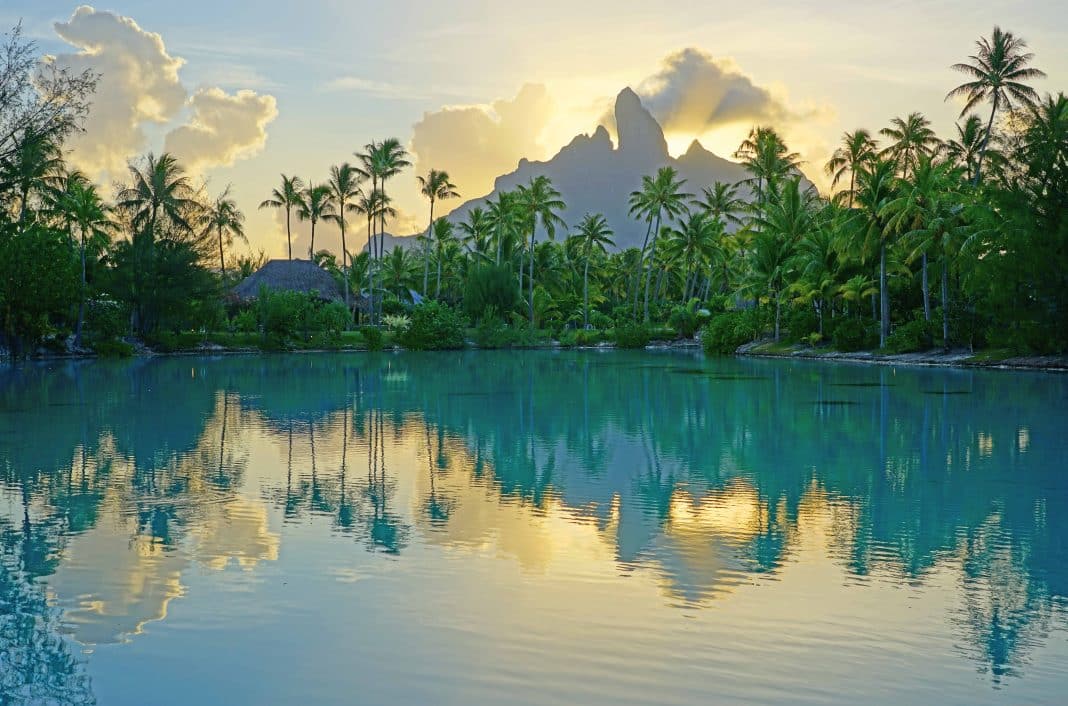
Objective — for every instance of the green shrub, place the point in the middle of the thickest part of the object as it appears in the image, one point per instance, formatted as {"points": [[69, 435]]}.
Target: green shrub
{"points": [[105, 319], [434, 326], [113, 349], [855, 335], [600, 321], [916, 335], [493, 333], [244, 322], [373, 338], [577, 337], [631, 335], [490, 289], [800, 323], [685, 320], [731, 329]]}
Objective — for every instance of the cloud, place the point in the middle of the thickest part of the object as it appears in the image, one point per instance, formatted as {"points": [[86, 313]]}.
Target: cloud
{"points": [[477, 143], [693, 92], [222, 128], [138, 84], [356, 84]]}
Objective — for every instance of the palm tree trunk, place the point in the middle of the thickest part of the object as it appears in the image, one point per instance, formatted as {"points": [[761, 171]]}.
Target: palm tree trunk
{"points": [[945, 302], [426, 248], [289, 233], [344, 262], [533, 234], [926, 291], [222, 258], [778, 314], [649, 271], [641, 265], [311, 245], [81, 300], [884, 299], [437, 291], [986, 141], [586, 293]]}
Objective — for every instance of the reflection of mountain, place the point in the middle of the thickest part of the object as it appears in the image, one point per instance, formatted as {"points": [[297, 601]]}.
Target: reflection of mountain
{"points": [[668, 466], [594, 176]]}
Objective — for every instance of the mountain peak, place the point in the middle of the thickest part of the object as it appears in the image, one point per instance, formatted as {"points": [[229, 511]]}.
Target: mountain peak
{"points": [[639, 133]]}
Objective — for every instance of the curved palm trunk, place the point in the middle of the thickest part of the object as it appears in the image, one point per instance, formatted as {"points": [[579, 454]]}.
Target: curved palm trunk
{"points": [[884, 299], [649, 269]]}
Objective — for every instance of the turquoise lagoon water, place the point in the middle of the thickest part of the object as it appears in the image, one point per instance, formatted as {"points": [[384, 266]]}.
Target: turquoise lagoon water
{"points": [[530, 528]]}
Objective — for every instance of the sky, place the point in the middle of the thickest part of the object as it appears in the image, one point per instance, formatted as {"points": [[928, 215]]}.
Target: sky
{"points": [[242, 91]]}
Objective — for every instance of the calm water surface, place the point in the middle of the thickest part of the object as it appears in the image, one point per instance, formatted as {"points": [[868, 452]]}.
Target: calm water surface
{"points": [[530, 528]]}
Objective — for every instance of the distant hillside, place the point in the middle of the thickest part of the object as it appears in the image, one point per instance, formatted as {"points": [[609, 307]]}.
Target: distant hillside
{"points": [[594, 176]]}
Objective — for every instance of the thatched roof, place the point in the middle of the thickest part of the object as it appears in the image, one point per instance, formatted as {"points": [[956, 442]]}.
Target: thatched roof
{"points": [[292, 275]]}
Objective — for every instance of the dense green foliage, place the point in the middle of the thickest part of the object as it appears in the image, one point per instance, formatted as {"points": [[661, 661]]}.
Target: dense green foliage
{"points": [[928, 242], [434, 326]]}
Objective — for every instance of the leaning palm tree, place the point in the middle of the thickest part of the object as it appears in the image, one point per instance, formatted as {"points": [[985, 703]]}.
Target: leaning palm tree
{"points": [[161, 191], [345, 191], [317, 203], [661, 195], [436, 187], [540, 202], [856, 149], [92, 217], [593, 234], [910, 139], [287, 197], [997, 71]]}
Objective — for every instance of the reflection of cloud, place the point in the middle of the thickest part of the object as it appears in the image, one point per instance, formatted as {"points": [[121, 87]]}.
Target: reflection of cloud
{"points": [[235, 531], [477, 143], [222, 128]]}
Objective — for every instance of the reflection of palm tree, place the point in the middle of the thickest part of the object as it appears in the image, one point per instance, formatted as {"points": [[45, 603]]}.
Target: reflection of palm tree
{"points": [[438, 508]]}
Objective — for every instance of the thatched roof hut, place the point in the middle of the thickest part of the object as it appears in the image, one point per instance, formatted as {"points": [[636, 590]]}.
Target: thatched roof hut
{"points": [[290, 275]]}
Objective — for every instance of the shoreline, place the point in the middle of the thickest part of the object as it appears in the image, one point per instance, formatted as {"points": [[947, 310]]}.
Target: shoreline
{"points": [[761, 349], [928, 359]]}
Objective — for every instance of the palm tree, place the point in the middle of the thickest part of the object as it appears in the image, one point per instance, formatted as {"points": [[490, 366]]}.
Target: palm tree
{"points": [[397, 271], [317, 203], [383, 161], [876, 189], [694, 242], [35, 164], [224, 220], [998, 70], [660, 196], [593, 234], [784, 223], [92, 217], [765, 155], [287, 197], [436, 187], [964, 150], [442, 235], [818, 263], [161, 189], [345, 191], [477, 230], [856, 150], [722, 202], [503, 216], [927, 214], [910, 139], [540, 202]]}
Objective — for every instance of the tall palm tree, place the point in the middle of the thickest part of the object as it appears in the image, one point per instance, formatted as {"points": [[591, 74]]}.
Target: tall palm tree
{"points": [[382, 161], [443, 235], [92, 217], [965, 149], [661, 195], [767, 158], [317, 203], [436, 187], [540, 202], [693, 243], [286, 197], [876, 188], [593, 234], [224, 220], [161, 191], [345, 191], [997, 71], [910, 139], [503, 216], [856, 150]]}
